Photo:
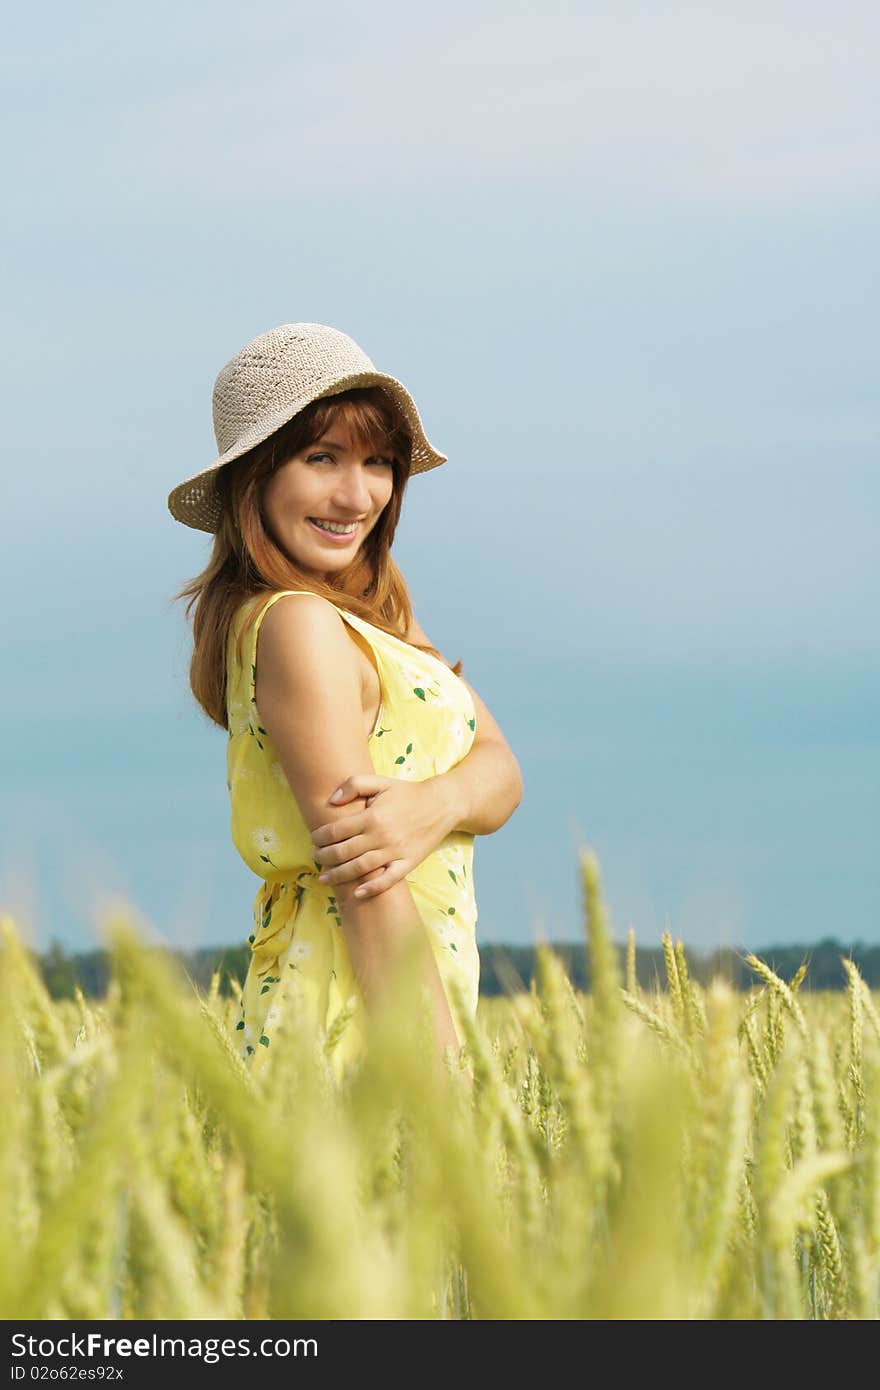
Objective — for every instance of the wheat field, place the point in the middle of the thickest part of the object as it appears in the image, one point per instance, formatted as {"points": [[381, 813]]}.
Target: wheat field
{"points": [[686, 1152]]}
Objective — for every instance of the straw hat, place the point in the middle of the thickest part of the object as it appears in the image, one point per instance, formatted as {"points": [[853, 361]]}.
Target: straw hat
{"points": [[268, 382]]}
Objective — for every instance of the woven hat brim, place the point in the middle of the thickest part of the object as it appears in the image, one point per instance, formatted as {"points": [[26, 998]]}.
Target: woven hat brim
{"points": [[194, 502]]}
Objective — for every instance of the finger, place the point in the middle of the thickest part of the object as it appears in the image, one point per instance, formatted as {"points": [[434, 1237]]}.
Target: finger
{"points": [[394, 872], [343, 846], [337, 831], [361, 784], [353, 868]]}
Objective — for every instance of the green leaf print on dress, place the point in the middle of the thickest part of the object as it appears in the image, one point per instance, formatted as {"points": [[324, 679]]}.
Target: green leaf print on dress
{"points": [[407, 763], [259, 728]]}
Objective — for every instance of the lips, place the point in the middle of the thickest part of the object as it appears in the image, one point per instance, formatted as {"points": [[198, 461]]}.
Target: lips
{"points": [[340, 538]]}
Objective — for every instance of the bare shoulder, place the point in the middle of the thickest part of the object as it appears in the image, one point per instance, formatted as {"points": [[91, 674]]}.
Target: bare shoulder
{"points": [[415, 632], [298, 624], [417, 635], [302, 648]]}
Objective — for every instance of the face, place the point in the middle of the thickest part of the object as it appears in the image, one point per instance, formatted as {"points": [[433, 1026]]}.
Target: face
{"points": [[332, 480]]}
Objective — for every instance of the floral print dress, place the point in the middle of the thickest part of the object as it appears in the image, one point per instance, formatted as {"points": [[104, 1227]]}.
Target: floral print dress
{"points": [[299, 958]]}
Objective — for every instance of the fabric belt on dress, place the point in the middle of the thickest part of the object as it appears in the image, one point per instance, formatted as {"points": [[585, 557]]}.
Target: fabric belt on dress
{"points": [[276, 909]]}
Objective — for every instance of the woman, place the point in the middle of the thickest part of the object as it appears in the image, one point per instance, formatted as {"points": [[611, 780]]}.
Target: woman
{"points": [[307, 651]]}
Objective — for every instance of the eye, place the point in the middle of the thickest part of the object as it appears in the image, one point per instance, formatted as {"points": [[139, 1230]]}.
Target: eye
{"points": [[385, 462]]}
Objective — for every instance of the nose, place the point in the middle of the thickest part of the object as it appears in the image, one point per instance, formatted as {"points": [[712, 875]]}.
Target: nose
{"points": [[352, 491]]}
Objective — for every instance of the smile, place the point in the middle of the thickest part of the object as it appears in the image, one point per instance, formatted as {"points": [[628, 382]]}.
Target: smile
{"points": [[335, 531]]}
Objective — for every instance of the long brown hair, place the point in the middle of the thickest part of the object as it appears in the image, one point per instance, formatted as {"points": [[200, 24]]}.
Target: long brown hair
{"points": [[245, 560]]}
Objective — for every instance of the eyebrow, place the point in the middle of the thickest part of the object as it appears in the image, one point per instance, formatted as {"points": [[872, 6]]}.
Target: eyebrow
{"points": [[339, 449], [328, 444]]}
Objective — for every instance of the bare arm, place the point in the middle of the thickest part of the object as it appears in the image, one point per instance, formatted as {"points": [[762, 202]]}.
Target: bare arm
{"points": [[308, 693]]}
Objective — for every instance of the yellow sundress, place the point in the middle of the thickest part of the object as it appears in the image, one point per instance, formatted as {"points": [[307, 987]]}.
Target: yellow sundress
{"points": [[426, 724]]}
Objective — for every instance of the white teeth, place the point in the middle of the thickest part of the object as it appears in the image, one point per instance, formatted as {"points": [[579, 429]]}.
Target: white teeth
{"points": [[338, 527]]}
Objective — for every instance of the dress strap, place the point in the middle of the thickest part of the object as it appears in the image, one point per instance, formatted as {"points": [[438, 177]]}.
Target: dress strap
{"points": [[362, 628], [255, 632]]}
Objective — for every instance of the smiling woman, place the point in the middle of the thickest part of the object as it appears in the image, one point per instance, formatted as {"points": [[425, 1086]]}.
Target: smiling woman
{"points": [[333, 685], [328, 494]]}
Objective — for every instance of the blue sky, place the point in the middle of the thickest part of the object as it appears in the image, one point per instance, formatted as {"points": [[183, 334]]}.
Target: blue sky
{"points": [[625, 262]]}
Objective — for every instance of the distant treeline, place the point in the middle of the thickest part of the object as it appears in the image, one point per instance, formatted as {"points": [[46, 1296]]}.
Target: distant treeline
{"points": [[504, 969]]}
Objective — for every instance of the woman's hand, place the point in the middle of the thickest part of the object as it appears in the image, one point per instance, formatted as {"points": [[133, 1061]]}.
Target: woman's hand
{"points": [[402, 823]]}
